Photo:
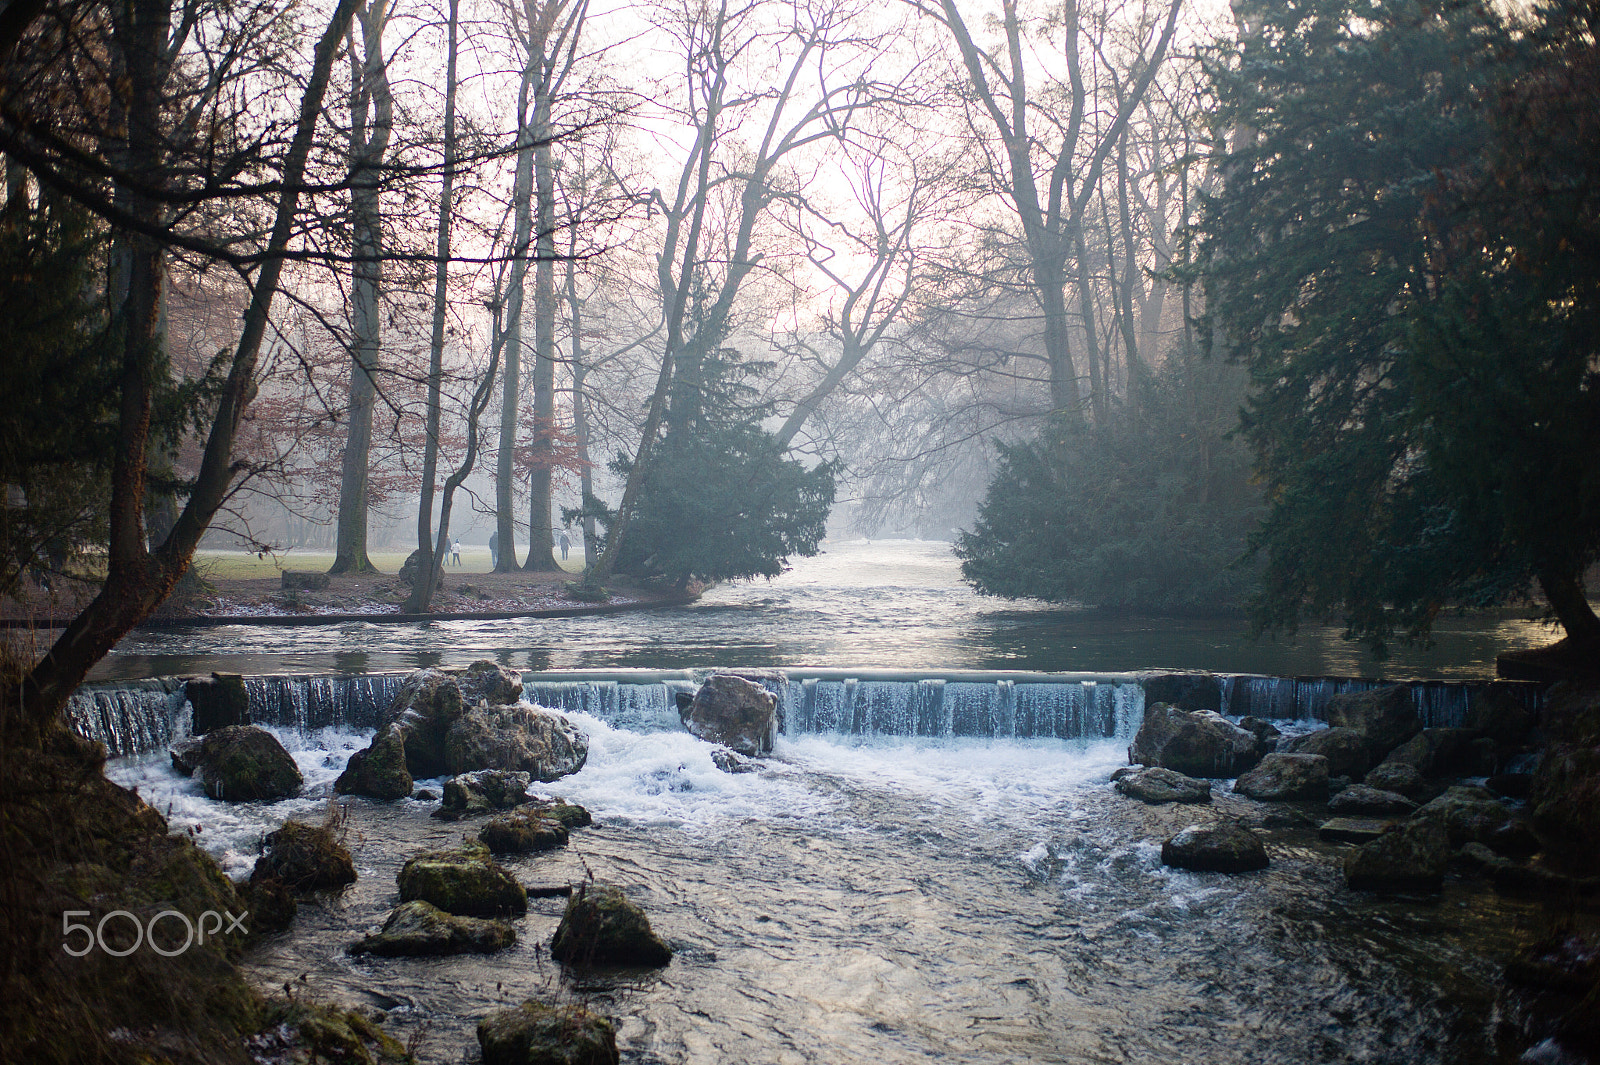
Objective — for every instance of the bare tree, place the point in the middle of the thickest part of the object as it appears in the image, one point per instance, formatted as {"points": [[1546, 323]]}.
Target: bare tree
{"points": [[371, 124]]}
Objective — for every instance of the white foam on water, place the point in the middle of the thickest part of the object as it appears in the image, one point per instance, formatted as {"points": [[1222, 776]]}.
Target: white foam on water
{"points": [[232, 832], [668, 779], [977, 775]]}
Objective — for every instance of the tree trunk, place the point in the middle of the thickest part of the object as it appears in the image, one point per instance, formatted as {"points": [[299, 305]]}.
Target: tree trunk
{"points": [[541, 541], [368, 143], [511, 387], [429, 560], [1570, 604], [136, 579], [580, 415]]}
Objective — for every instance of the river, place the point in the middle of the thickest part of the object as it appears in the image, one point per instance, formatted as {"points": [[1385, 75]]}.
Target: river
{"points": [[883, 604], [895, 899]]}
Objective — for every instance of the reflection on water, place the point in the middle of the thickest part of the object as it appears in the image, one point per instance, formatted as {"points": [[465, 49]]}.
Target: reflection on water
{"points": [[894, 604]]}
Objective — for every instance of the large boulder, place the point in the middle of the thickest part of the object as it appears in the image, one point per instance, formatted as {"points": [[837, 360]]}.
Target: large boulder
{"points": [[536, 1034], [379, 772], [569, 814], [1444, 752], [483, 792], [216, 702], [465, 881], [1385, 716], [441, 724], [1473, 815], [601, 927], [240, 763], [1410, 857], [1499, 712], [1565, 796], [305, 857], [521, 738], [1281, 777], [428, 703], [1401, 777], [1156, 785], [523, 832], [1200, 743], [421, 929], [1226, 847], [486, 682], [1360, 800], [733, 712], [1344, 748]]}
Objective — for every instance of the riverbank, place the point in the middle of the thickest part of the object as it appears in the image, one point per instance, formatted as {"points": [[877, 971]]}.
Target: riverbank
{"points": [[230, 589]]}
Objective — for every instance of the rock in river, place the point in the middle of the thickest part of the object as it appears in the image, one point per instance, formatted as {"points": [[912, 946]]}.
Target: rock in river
{"points": [[465, 881], [240, 763], [523, 831], [1286, 777], [1221, 848], [734, 712], [305, 857], [601, 927], [1197, 744], [1157, 785], [536, 1034], [420, 929]]}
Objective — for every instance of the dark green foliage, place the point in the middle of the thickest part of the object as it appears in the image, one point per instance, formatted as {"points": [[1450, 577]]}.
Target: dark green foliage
{"points": [[719, 501], [1423, 404], [61, 375], [1149, 511]]}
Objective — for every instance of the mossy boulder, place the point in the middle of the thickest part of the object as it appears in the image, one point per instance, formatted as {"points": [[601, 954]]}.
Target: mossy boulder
{"points": [[1157, 786], [602, 927], [1344, 748], [1362, 800], [489, 683], [380, 771], [1411, 857], [1225, 847], [240, 763], [421, 929], [271, 903], [568, 813], [1472, 815], [306, 857], [1201, 743], [1403, 778], [428, 703], [298, 1032], [1445, 752], [465, 881], [542, 743], [523, 832], [538, 1034], [1281, 777], [482, 792]]}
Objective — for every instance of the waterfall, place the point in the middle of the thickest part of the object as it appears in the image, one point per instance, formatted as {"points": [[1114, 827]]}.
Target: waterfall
{"points": [[141, 716], [132, 718]]}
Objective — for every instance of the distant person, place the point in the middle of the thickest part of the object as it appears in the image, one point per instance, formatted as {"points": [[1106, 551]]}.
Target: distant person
{"points": [[494, 549], [566, 542], [455, 551]]}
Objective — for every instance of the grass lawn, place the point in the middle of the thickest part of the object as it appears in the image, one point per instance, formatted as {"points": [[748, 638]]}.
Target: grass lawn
{"points": [[245, 565]]}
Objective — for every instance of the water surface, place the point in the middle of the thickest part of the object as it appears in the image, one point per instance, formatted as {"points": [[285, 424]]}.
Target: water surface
{"points": [[877, 605]]}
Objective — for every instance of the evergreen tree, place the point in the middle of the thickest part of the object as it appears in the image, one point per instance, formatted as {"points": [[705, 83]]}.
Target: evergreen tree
{"points": [[1146, 511], [1423, 398], [719, 501]]}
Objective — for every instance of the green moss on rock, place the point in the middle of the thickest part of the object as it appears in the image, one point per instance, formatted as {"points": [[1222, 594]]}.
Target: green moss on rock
{"points": [[305, 1033], [306, 857], [523, 832], [602, 927], [379, 772], [421, 929], [465, 881], [538, 1034]]}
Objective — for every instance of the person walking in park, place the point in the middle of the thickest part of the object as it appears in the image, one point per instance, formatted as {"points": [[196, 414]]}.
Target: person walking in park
{"points": [[566, 542]]}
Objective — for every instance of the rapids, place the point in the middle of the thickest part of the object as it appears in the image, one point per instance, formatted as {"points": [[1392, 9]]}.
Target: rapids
{"points": [[899, 900]]}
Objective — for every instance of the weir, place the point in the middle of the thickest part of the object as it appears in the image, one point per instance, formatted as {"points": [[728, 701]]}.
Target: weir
{"points": [[142, 716]]}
